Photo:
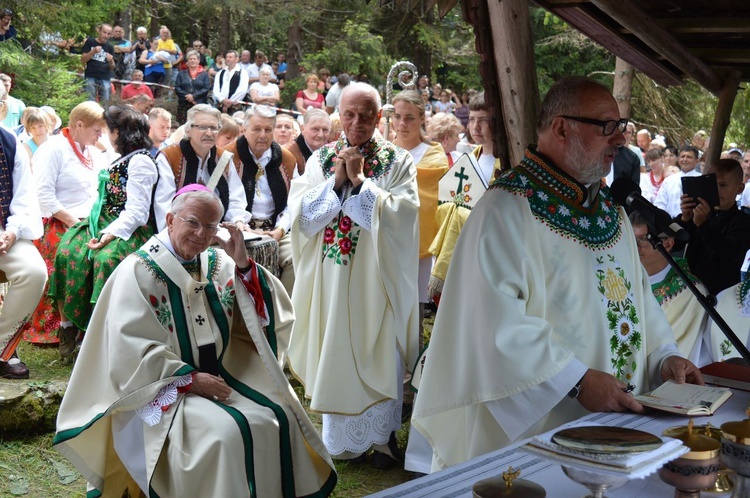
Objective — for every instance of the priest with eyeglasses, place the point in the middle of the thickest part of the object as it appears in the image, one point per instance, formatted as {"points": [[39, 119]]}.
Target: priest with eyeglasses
{"points": [[179, 389], [546, 312]]}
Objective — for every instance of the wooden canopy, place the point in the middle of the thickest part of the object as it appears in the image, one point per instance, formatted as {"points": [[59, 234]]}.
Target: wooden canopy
{"points": [[668, 40]]}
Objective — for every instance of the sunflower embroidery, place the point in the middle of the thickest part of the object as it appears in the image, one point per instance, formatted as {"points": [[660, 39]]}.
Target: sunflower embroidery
{"points": [[622, 317]]}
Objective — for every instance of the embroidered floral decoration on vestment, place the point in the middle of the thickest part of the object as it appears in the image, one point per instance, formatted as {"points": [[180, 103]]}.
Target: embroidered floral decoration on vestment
{"points": [[556, 200], [622, 316]]}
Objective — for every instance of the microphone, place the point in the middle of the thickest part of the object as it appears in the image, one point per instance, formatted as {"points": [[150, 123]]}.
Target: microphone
{"points": [[628, 194]]}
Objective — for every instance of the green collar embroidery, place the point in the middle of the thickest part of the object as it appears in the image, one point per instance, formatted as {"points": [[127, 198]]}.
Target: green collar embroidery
{"points": [[379, 155], [556, 200], [672, 285], [743, 296]]}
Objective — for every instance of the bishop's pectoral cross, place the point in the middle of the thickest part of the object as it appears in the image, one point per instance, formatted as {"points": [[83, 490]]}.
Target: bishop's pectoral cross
{"points": [[461, 177]]}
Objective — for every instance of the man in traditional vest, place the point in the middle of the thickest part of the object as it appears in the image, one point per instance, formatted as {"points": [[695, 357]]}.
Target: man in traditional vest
{"points": [[315, 131], [230, 84], [266, 170], [197, 159], [20, 262]]}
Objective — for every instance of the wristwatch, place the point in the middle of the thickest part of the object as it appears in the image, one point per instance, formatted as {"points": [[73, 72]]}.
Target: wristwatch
{"points": [[576, 391]]}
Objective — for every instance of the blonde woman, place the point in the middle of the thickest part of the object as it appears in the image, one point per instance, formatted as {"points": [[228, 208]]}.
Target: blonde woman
{"points": [[284, 132], [445, 129], [38, 125], [66, 174]]}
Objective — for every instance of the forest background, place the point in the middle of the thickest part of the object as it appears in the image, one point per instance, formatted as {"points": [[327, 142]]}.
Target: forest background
{"points": [[353, 36]]}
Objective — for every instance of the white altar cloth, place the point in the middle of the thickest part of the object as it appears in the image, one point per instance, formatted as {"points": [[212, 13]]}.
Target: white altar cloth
{"points": [[456, 481]]}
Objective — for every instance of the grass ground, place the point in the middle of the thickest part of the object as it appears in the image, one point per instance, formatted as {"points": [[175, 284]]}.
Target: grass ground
{"points": [[30, 467]]}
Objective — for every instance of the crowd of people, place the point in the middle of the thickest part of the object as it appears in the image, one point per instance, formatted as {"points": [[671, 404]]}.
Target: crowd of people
{"points": [[125, 240]]}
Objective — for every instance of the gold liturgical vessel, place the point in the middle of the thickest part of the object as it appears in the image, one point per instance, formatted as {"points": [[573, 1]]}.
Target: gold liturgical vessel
{"points": [[507, 485], [697, 469]]}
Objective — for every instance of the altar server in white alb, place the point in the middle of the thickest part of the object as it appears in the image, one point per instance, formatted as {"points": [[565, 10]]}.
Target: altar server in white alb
{"points": [[355, 246], [547, 312]]}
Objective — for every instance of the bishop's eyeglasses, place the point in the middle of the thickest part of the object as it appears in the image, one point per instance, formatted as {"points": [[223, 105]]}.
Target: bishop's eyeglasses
{"points": [[195, 226], [608, 127]]}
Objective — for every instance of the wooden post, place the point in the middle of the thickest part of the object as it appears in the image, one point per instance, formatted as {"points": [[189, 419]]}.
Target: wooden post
{"points": [[516, 74], [623, 86], [730, 84]]}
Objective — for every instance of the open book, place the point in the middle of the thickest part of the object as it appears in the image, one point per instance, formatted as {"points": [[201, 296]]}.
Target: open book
{"points": [[687, 399]]}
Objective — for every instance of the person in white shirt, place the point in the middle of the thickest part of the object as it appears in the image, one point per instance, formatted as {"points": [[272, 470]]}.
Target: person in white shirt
{"points": [[264, 92], [745, 197], [66, 171], [20, 261], [194, 160], [266, 170], [230, 84], [669, 194], [253, 70]]}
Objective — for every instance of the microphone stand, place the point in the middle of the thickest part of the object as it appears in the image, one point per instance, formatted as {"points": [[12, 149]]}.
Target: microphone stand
{"points": [[703, 300]]}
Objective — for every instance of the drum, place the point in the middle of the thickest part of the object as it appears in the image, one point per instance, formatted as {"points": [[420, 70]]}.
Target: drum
{"points": [[264, 250]]}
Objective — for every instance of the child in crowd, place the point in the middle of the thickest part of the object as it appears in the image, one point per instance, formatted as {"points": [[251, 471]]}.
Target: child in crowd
{"points": [[720, 235]]}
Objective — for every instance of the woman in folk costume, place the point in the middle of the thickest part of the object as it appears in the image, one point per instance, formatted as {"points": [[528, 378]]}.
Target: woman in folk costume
{"points": [[197, 403], [66, 167], [116, 226]]}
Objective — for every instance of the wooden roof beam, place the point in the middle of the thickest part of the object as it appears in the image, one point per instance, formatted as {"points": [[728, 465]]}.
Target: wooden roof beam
{"points": [[593, 27], [705, 25], [660, 40], [727, 96]]}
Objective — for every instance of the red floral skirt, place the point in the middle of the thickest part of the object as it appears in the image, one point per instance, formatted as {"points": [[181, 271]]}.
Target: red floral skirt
{"points": [[43, 325]]}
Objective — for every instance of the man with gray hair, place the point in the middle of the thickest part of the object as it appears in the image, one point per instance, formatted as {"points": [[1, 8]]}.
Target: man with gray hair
{"points": [[266, 170], [197, 159], [560, 311], [357, 316], [141, 43], [315, 130]]}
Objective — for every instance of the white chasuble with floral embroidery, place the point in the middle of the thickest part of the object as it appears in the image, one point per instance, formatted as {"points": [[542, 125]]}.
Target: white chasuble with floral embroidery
{"points": [[536, 280], [355, 292]]}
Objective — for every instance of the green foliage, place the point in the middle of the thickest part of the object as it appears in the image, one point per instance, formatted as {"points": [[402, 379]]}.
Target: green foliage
{"points": [[42, 81], [68, 18], [354, 51], [560, 51]]}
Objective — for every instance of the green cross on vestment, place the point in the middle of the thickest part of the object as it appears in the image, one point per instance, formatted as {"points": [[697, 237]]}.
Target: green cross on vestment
{"points": [[461, 177]]}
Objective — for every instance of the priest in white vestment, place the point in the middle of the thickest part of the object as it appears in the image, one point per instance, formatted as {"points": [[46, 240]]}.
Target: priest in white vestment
{"points": [[684, 313], [547, 312], [355, 247], [698, 337], [178, 389]]}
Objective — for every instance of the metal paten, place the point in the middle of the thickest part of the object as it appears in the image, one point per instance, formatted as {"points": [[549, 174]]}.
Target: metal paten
{"points": [[735, 454], [409, 70]]}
